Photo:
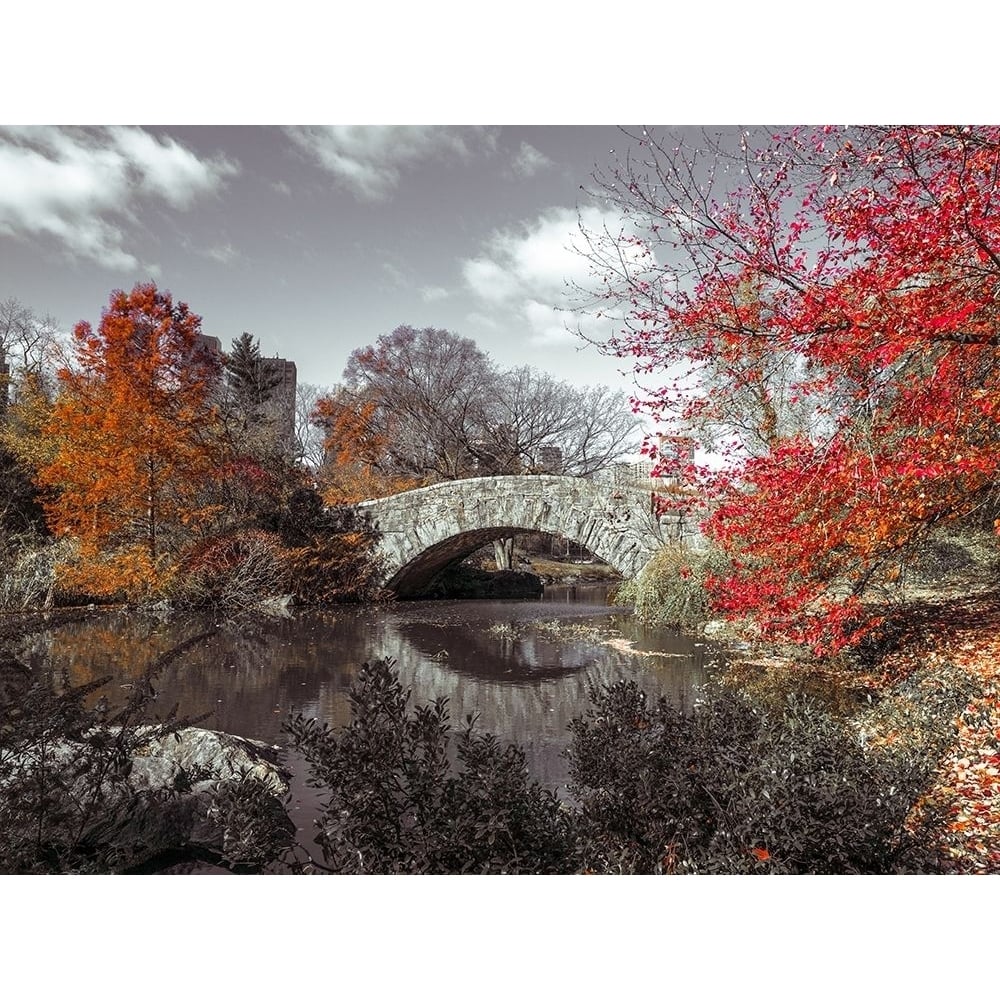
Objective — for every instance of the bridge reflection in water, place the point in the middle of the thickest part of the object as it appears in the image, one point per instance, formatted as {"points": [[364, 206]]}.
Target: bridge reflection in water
{"points": [[523, 667]]}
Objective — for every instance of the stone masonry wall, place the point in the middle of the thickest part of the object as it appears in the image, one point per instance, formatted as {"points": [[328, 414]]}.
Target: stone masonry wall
{"points": [[424, 530]]}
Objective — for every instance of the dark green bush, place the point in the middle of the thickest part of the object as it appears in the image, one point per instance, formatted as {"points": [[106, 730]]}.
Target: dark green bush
{"points": [[734, 788], [330, 552], [64, 781], [66, 800], [395, 803]]}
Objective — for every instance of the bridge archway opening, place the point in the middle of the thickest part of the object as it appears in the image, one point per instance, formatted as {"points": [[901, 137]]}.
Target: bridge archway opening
{"points": [[551, 545], [415, 578]]}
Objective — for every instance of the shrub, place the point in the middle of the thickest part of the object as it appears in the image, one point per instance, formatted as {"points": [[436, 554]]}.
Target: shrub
{"points": [[233, 573], [329, 552], [27, 570], [86, 574], [670, 590], [395, 803], [67, 803], [337, 569], [734, 788], [731, 788]]}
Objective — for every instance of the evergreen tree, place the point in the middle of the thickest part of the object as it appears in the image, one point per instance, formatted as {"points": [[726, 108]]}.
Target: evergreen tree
{"points": [[251, 383]]}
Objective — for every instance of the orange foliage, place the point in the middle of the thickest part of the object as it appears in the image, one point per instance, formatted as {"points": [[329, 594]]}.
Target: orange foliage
{"points": [[122, 572], [354, 448], [134, 448]]}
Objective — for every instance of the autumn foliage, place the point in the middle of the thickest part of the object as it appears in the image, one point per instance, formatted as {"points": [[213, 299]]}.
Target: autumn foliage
{"points": [[134, 449], [355, 448], [830, 311]]}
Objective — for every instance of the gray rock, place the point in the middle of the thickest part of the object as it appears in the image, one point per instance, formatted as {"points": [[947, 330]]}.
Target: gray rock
{"points": [[277, 607], [217, 756], [195, 790]]}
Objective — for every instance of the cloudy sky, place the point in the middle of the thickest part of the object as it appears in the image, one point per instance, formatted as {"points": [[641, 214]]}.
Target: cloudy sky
{"points": [[314, 239]]}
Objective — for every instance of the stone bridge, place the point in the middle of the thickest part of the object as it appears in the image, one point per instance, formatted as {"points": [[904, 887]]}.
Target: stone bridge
{"points": [[425, 530]]}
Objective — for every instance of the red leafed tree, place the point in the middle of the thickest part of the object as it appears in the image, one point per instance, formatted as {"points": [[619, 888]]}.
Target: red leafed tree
{"points": [[825, 304], [134, 441]]}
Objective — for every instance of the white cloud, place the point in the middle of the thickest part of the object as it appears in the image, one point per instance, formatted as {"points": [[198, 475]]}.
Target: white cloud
{"points": [[489, 280], [369, 160], [542, 256], [529, 161], [527, 271], [282, 188], [224, 254], [433, 293], [162, 167], [547, 325], [82, 188]]}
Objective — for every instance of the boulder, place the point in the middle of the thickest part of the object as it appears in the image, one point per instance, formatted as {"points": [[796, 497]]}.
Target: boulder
{"points": [[192, 792]]}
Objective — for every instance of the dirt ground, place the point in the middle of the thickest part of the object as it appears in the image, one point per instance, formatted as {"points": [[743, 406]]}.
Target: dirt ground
{"points": [[963, 629]]}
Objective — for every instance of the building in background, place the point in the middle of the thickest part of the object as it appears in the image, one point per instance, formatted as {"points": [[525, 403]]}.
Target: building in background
{"points": [[280, 408], [280, 376], [210, 344], [550, 459], [675, 452], [632, 473]]}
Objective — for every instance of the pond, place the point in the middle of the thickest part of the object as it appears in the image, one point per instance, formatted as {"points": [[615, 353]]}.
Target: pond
{"points": [[523, 666]]}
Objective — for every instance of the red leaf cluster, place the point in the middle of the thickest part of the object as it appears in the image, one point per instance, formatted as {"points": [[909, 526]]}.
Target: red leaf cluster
{"points": [[834, 317]]}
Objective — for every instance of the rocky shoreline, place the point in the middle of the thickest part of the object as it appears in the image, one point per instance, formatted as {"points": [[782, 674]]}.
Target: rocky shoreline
{"points": [[137, 795]]}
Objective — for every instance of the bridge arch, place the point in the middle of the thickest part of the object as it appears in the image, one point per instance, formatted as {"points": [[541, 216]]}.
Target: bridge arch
{"points": [[423, 531]]}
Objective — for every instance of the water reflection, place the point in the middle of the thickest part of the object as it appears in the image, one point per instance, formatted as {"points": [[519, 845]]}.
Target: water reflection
{"points": [[524, 667]]}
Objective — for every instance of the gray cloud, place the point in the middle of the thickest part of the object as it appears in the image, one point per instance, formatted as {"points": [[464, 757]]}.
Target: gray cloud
{"points": [[369, 160], [225, 253], [529, 161]]}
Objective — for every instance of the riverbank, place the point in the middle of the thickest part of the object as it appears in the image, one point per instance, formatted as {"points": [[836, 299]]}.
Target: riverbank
{"points": [[956, 627], [443, 649], [468, 581], [569, 573]]}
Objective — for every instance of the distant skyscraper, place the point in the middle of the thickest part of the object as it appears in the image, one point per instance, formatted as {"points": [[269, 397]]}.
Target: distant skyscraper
{"points": [[211, 344], [550, 459], [281, 406], [632, 473]]}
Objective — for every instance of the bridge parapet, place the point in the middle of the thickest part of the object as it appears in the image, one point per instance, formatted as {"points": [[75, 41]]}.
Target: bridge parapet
{"points": [[423, 530]]}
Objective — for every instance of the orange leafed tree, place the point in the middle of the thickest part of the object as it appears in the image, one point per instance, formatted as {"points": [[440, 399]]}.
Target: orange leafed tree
{"points": [[355, 450], [134, 442]]}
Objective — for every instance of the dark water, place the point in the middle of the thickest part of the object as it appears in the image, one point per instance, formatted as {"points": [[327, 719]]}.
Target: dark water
{"points": [[523, 666]]}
